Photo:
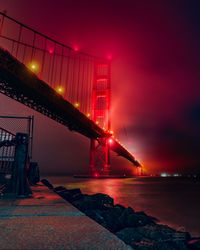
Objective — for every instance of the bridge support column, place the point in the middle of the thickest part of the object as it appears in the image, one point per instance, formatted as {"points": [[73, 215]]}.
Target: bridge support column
{"points": [[139, 171], [99, 157], [100, 114]]}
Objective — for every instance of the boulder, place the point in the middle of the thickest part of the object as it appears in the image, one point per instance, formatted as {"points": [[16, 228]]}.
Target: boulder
{"points": [[104, 201], [125, 216], [59, 189], [194, 244], [120, 207], [96, 201], [47, 183], [163, 233], [144, 219], [130, 235], [95, 214], [70, 195], [151, 237], [131, 219], [159, 245], [111, 217]]}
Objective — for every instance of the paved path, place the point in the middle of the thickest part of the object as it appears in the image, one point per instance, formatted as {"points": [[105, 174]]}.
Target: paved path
{"points": [[46, 221]]}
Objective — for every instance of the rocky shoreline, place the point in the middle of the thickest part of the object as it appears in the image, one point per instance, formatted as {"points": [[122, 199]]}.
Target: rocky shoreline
{"points": [[136, 229]]}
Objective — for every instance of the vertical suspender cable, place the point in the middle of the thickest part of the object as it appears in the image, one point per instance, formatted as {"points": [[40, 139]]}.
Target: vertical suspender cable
{"points": [[61, 66], [43, 58], [67, 75], [52, 67], [33, 46], [18, 41]]}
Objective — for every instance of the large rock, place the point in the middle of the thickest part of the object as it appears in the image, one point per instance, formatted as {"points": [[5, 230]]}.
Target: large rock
{"points": [[120, 208], [96, 201], [106, 217], [163, 233], [59, 189], [129, 218], [111, 217], [70, 195], [194, 244], [104, 200], [154, 237], [95, 214], [47, 183], [160, 245], [130, 235]]}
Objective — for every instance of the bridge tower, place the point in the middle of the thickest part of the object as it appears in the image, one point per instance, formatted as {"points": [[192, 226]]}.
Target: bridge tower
{"points": [[100, 114]]}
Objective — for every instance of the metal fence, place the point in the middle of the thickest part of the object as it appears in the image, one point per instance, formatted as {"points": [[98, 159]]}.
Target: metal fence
{"points": [[20, 124], [7, 153]]}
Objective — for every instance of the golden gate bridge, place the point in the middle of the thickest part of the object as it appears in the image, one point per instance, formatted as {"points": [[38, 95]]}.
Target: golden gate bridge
{"points": [[63, 83]]}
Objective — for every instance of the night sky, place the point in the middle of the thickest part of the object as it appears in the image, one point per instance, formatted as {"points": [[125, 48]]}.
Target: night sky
{"points": [[155, 48]]}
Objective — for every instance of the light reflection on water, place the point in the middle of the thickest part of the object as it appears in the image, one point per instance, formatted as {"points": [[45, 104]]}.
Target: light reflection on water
{"points": [[174, 201]]}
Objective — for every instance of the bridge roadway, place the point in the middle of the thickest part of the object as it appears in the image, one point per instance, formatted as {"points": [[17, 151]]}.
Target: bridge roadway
{"points": [[46, 221], [22, 85]]}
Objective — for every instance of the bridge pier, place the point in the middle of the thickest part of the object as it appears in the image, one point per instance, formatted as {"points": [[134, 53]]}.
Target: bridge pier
{"points": [[99, 158], [139, 171]]}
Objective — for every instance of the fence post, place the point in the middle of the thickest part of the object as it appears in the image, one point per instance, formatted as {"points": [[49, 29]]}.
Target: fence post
{"points": [[19, 182]]}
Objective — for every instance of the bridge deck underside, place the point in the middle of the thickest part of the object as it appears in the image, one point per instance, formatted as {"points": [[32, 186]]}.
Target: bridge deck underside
{"points": [[20, 84]]}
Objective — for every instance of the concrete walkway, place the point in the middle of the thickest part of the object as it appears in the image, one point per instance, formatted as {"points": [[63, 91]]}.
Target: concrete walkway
{"points": [[46, 221]]}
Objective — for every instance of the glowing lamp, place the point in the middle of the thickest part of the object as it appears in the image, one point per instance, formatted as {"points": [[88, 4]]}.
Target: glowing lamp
{"points": [[97, 122], [75, 48], [110, 140], [60, 90], [88, 114], [33, 66], [96, 175], [50, 51], [76, 104], [109, 57]]}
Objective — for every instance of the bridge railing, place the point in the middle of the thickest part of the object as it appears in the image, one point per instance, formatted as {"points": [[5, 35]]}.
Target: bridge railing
{"points": [[7, 153], [14, 163]]}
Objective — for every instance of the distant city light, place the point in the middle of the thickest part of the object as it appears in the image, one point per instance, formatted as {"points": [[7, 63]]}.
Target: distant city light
{"points": [[164, 175], [76, 104], [60, 90], [176, 175]]}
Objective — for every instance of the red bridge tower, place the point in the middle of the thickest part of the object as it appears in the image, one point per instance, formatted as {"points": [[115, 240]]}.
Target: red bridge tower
{"points": [[101, 98]]}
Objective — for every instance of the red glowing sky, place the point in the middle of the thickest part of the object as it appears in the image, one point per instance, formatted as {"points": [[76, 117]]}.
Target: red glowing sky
{"points": [[155, 68]]}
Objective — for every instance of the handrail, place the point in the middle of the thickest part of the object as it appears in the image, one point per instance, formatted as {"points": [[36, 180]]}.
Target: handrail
{"points": [[7, 131]]}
